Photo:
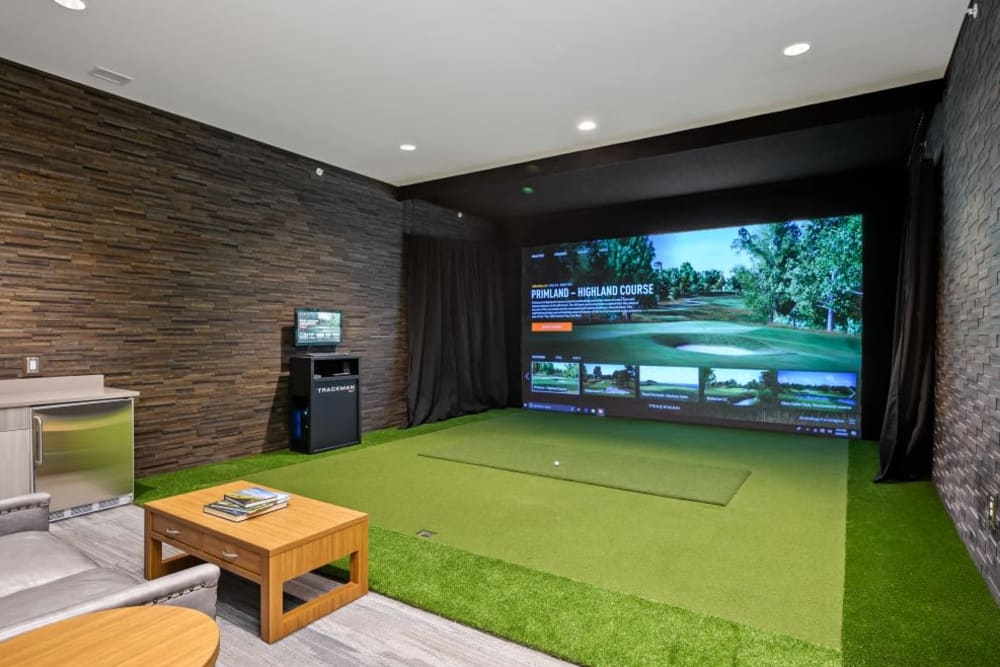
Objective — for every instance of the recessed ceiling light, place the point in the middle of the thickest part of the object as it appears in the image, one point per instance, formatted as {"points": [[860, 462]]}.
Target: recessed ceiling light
{"points": [[111, 76], [796, 49], [407, 147], [72, 4], [586, 125]]}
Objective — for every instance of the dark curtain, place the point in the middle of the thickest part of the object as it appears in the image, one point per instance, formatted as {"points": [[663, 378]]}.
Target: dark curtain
{"points": [[457, 342], [905, 447]]}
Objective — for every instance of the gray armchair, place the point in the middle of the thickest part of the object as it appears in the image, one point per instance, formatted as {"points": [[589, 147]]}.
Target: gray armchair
{"points": [[44, 580]]}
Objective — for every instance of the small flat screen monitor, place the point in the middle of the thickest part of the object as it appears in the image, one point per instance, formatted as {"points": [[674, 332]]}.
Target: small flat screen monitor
{"points": [[314, 326]]}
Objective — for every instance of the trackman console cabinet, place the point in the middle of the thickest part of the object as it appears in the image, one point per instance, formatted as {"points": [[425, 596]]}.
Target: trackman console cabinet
{"points": [[325, 411]]}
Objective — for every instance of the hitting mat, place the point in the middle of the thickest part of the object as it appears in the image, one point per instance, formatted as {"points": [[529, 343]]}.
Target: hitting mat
{"points": [[605, 466], [773, 558]]}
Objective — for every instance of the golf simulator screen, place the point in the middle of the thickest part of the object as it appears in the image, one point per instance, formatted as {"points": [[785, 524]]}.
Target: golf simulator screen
{"points": [[752, 326]]}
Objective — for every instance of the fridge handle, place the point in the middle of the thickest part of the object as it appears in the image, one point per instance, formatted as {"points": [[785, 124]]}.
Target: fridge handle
{"points": [[39, 442]]}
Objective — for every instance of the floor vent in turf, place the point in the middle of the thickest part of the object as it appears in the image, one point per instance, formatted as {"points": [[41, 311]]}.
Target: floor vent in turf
{"points": [[426, 533]]}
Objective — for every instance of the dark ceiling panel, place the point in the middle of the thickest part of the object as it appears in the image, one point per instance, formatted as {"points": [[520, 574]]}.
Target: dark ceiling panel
{"points": [[866, 131], [872, 192], [878, 141]]}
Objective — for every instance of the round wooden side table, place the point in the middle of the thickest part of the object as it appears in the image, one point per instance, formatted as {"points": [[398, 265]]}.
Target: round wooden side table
{"points": [[125, 637]]}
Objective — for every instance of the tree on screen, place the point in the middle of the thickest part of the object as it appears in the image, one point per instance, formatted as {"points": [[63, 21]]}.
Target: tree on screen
{"points": [[550, 368], [630, 260], [607, 261], [578, 260], [768, 390], [706, 377], [713, 280], [685, 280], [772, 251], [611, 262], [585, 262], [625, 377], [667, 281], [826, 283]]}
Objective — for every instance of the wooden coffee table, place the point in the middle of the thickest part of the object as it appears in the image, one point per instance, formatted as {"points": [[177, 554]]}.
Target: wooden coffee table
{"points": [[125, 637], [269, 549]]}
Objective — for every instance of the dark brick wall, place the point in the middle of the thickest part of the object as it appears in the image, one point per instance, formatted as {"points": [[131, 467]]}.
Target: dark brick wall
{"points": [[169, 256], [965, 135]]}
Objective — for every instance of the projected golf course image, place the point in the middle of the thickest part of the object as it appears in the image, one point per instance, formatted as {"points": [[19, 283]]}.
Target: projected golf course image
{"points": [[609, 380], [733, 386], [677, 383], [555, 377], [763, 300], [834, 392]]}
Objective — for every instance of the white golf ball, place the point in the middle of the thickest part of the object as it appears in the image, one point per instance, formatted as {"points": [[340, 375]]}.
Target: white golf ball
{"points": [[555, 463]]}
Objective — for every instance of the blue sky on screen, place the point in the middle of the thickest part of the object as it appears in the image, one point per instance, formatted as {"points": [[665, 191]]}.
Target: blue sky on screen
{"points": [[669, 374], [606, 369], [704, 249], [739, 375], [817, 378]]}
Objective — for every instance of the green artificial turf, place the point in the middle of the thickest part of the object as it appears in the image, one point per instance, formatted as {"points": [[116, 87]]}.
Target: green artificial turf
{"points": [[162, 485], [772, 559], [912, 594], [601, 465], [579, 622]]}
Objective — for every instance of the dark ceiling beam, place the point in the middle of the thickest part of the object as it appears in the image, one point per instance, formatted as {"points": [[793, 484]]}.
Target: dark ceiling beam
{"points": [[854, 191], [919, 95]]}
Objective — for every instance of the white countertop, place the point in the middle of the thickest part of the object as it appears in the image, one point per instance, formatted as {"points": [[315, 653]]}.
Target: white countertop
{"points": [[28, 392]]}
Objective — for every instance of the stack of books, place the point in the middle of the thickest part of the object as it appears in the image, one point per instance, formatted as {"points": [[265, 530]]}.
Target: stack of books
{"points": [[244, 504]]}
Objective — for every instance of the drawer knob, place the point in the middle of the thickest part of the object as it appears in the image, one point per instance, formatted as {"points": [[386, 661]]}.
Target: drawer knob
{"points": [[173, 532], [231, 556]]}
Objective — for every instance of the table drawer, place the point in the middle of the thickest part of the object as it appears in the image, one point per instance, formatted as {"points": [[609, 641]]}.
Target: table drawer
{"points": [[177, 531], [227, 552]]}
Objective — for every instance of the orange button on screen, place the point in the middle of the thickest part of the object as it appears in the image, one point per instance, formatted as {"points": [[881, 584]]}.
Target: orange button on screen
{"points": [[551, 326]]}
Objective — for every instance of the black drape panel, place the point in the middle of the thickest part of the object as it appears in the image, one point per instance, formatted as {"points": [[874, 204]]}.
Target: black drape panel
{"points": [[457, 341], [907, 432]]}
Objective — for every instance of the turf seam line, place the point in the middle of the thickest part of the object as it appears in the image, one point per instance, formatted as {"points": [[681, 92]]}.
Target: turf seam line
{"points": [[597, 484]]}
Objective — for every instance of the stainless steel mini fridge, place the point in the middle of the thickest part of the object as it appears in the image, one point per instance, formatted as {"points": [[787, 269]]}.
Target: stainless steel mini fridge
{"points": [[83, 455]]}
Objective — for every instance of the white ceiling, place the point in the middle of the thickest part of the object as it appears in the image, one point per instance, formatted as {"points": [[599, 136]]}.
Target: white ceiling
{"points": [[478, 84]]}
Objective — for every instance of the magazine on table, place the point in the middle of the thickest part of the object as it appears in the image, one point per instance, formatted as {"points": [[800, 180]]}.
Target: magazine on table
{"points": [[227, 509], [254, 496]]}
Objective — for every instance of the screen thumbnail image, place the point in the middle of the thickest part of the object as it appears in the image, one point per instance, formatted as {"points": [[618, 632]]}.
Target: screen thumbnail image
{"points": [[818, 390], [678, 383], [740, 387], [609, 379], [555, 377]]}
